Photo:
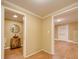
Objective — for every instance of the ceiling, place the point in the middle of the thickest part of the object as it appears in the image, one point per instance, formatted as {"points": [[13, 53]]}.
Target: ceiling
{"points": [[9, 16], [67, 17], [42, 7]]}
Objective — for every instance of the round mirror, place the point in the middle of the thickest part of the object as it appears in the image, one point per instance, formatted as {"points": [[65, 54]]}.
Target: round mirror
{"points": [[15, 28]]}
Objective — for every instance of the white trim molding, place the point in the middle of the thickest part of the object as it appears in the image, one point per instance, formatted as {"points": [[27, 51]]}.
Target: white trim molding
{"points": [[51, 53], [60, 11], [11, 5], [63, 10], [7, 48], [33, 53], [38, 52], [67, 41], [52, 35], [2, 32], [25, 20]]}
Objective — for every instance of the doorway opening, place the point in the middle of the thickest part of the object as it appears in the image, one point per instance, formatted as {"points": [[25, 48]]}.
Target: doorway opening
{"points": [[13, 33], [66, 34]]}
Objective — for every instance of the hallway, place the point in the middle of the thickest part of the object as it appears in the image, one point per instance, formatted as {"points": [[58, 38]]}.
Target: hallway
{"points": [[47, 27]]}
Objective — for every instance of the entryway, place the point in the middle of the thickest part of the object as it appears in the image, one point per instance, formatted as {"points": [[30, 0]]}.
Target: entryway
{"points": [[13, 33]]}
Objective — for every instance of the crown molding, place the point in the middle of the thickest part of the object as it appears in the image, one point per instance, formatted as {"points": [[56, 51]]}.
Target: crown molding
{"points": [[13, 6], [63, 10]]}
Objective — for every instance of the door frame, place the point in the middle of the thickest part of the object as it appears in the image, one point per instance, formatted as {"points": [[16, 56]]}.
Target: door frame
{"points": [[24, 28]]}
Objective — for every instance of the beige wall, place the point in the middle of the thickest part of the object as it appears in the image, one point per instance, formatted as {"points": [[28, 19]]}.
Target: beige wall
{"points": [[9, 34], [48, 42], [34, 34], [73, 31], [36, 37]]}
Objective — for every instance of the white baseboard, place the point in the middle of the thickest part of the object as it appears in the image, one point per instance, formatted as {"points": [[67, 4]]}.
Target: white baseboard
{"points": [[67, 41], [52, 53], [7, 48], [33, 53], [38, 52]]}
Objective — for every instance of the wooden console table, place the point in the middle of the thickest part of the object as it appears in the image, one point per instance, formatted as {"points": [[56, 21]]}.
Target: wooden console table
{"points": [[15, 42]]}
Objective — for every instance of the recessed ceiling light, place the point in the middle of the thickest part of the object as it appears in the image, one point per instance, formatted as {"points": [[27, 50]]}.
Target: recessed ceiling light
{"points": [[15, 16], [59, 20]]}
